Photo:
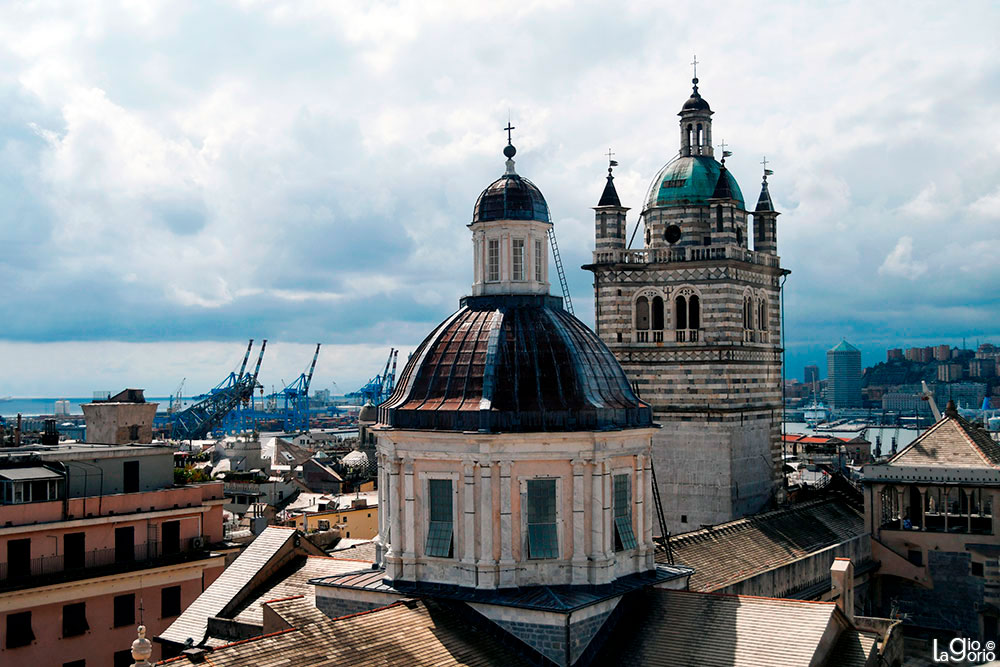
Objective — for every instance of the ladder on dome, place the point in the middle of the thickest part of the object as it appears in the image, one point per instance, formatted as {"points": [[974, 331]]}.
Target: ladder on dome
{"points": [[567, 301], [664, 533]]}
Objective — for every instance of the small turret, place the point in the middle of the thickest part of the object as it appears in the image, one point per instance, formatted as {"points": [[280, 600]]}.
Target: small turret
{"points": [[696, 122], [727, 219], [765, 219], [609, 214]]}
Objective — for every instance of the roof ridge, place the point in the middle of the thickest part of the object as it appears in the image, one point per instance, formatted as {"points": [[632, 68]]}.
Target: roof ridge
{"points": [[753, 597], [284, 599]]}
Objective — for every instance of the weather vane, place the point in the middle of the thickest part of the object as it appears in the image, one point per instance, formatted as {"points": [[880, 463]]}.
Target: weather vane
{"points": [[767, 172]]}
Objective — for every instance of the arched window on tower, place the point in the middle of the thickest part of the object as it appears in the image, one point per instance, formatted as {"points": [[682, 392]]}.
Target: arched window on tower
{"points": [[718, 218], [657, 319], [694, 316], [604, 225], [690, 136], [642, 320], [747, 319], [762, 318], [701, 139], [680, 318]]}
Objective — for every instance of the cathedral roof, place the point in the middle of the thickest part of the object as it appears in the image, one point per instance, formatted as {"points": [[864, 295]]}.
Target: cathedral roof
{"points": [[691, 181], [513, 363]]}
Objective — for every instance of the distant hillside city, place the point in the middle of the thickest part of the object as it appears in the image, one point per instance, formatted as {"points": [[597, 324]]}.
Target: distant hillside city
{"points": [[968, 377]]}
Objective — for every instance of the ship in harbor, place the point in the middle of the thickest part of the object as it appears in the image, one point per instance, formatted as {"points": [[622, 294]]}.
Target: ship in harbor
{"points": [[815, 413]]}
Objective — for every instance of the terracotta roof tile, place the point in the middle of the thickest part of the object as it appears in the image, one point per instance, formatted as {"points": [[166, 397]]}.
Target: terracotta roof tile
{"points": [[405, 633], [729, 552], [952, 442], [669, 628]]}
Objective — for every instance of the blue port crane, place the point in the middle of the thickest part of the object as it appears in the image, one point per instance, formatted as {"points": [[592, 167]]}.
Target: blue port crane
{"points": [[379, 387], [208, 414], [295, 395]]}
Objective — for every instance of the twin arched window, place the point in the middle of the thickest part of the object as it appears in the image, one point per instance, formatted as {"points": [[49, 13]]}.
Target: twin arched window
{"points": [[649, 317], [651, 311]]}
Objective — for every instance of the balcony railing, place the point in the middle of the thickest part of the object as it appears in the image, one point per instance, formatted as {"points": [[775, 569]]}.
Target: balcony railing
{"points": [[686, 254], [752, 336], [89, 563], [686, 335]]}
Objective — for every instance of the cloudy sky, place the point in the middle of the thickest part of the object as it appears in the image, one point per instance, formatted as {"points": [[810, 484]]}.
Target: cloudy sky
{"points": [[179, 177]]}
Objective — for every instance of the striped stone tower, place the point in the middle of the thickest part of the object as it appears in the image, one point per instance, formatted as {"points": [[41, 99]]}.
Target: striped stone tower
{"points": [[694, 318]]}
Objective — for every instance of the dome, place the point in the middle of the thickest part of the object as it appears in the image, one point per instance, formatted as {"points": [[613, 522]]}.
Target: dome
{"points": [[695, 103], [690, 181], [511, 197], [368, 412], [513, 363]]}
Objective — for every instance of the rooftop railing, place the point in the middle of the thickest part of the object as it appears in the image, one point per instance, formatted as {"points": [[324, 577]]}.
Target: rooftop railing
{"points": [[684, 254]]}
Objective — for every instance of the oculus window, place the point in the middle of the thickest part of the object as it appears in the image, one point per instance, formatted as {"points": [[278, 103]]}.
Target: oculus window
{"points": [[543, 541], [440, 532]]}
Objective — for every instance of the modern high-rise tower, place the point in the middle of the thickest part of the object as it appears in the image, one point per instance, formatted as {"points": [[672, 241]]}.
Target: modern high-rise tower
{"points": [[693, 317], [843, 372]]}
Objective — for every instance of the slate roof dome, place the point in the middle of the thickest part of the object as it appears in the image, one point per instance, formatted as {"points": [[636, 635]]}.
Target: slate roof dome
{"points": [[513, 363], [691, 181], [511, 197], [696, 102]]}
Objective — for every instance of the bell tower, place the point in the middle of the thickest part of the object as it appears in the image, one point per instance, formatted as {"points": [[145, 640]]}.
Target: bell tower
{"points": [[694, 318]]}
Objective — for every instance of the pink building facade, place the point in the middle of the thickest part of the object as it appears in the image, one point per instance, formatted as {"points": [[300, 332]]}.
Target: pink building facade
{"points": [[78, 574]]}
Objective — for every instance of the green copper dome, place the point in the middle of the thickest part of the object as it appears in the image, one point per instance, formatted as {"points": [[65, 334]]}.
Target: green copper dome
{"points": [[690, 181]]}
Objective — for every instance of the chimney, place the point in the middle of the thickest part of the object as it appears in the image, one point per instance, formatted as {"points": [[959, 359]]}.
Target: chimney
{"points": [[17, 431], [842, 585]]}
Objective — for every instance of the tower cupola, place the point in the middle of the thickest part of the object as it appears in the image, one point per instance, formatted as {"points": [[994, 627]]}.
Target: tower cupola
{"points": [[510, 225], [696, 122], [765, 219], [609, 214]]}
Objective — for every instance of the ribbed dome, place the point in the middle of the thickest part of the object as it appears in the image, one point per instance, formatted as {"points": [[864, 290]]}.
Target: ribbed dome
{"points": [[690, 181], [513, 363], [511, 197], [695, 103]]}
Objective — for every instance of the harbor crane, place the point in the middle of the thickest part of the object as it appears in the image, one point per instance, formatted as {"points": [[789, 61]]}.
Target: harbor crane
{"points": [[295, 395], [234, 391], [928, 396], [380, 387]]}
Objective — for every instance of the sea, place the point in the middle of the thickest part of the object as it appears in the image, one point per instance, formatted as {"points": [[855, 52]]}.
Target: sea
{"points": [[32, 407]]}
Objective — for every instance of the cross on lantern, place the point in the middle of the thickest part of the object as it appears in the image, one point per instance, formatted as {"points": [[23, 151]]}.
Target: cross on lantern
{"points": [[509, 128]]}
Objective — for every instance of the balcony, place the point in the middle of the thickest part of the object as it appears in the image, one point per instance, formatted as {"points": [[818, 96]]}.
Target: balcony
{"points": [[752, 336], [47, 570], [685, 254]]}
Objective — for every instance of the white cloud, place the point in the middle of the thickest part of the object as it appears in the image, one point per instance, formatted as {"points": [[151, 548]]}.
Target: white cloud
{"points": [[899, 263], [306, 169]]}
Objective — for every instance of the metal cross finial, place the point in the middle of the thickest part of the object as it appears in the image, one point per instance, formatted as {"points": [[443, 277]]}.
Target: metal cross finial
{"points": [[610, 155], [509, 128], [695, 64], [764, 162], [723, 146]]}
